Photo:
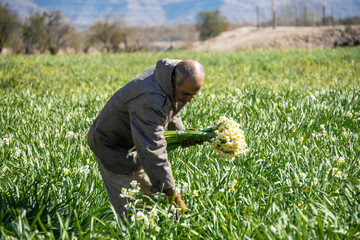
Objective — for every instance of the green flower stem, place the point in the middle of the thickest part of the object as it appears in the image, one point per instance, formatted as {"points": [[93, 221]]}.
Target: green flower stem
{"points": [[175, 138]]}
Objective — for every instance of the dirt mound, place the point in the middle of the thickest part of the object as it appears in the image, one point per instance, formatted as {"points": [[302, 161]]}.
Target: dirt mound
{"points": [[282, 38]]}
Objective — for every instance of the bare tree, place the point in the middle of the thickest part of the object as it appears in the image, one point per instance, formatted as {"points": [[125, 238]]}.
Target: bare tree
{"points": [[148, 37], [287, 14], [9, 23], [56, 29], [298, 12], [73, 39], [34, 33], [186, 32], [15, 41], [107, 34]]}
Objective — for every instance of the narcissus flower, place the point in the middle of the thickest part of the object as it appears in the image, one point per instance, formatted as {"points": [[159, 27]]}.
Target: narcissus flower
{"points": [[153, 212], [7, 141], [66, 171], [140, 215], [133, 183], [70, 134]]}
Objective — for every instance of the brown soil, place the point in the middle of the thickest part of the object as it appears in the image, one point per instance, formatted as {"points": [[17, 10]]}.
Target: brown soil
{"points": [[282, 38]]}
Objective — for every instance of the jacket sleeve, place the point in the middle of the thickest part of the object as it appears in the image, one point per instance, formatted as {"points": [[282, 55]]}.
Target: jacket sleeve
{"points": [[176, 123], [146, 122]]}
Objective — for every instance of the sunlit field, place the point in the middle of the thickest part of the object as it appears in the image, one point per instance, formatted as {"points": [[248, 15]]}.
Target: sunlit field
{"points": [[299, 110]]}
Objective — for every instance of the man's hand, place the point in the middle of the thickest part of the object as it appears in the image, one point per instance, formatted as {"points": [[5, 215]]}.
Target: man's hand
{"points": [[178, 202], [190, 142], [175, 198]]}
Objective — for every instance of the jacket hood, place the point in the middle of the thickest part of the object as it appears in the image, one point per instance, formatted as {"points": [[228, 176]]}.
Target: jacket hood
{"points": [[163, 71]]}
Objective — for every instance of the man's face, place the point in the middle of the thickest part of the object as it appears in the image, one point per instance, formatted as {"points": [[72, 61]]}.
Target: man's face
{"points": [[187, 90]]}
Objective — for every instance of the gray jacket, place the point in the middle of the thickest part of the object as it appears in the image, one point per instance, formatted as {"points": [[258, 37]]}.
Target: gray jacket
{"points": [[138, 114]]}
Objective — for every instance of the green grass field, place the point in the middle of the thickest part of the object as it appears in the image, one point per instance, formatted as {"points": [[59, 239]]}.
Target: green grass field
{"points": [[300, 180]]}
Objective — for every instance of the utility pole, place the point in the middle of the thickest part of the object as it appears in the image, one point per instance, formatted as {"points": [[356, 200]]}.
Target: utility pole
{"points": [[323, 18], [295, 14], [274, 14], [332, 15], [340, 20], [257, 16], [305, 16]]}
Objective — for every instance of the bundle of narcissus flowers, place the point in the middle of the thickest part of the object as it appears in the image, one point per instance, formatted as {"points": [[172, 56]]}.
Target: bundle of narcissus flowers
{"points": [[226, 138], [229, 141]]}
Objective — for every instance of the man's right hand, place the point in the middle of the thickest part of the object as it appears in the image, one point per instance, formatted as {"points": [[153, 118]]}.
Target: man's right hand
{"points": [[178, 202], [174, 197]]}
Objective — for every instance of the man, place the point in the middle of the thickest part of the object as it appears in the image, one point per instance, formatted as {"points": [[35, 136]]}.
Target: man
{"points": [[137, 115]]}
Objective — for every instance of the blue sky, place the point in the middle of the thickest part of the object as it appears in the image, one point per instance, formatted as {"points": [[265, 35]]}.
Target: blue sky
{"points": [[83, 13]]}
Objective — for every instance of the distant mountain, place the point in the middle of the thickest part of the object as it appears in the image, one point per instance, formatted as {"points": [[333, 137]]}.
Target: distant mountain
{"points": [[83, 13]]}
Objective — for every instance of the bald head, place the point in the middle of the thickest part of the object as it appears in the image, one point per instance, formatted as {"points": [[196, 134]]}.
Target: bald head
{"points": [[189, 70], [187, 80]]}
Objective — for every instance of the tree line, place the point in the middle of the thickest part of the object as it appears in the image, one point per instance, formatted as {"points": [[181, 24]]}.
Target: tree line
{"points": [[38, 33], [48, 32]]}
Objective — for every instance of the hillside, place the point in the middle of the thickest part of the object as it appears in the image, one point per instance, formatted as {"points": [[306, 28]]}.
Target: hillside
{"points": [[281, 38]]}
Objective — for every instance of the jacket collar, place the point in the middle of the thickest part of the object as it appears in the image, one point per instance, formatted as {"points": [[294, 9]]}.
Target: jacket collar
{"points": [[163, 71]]}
